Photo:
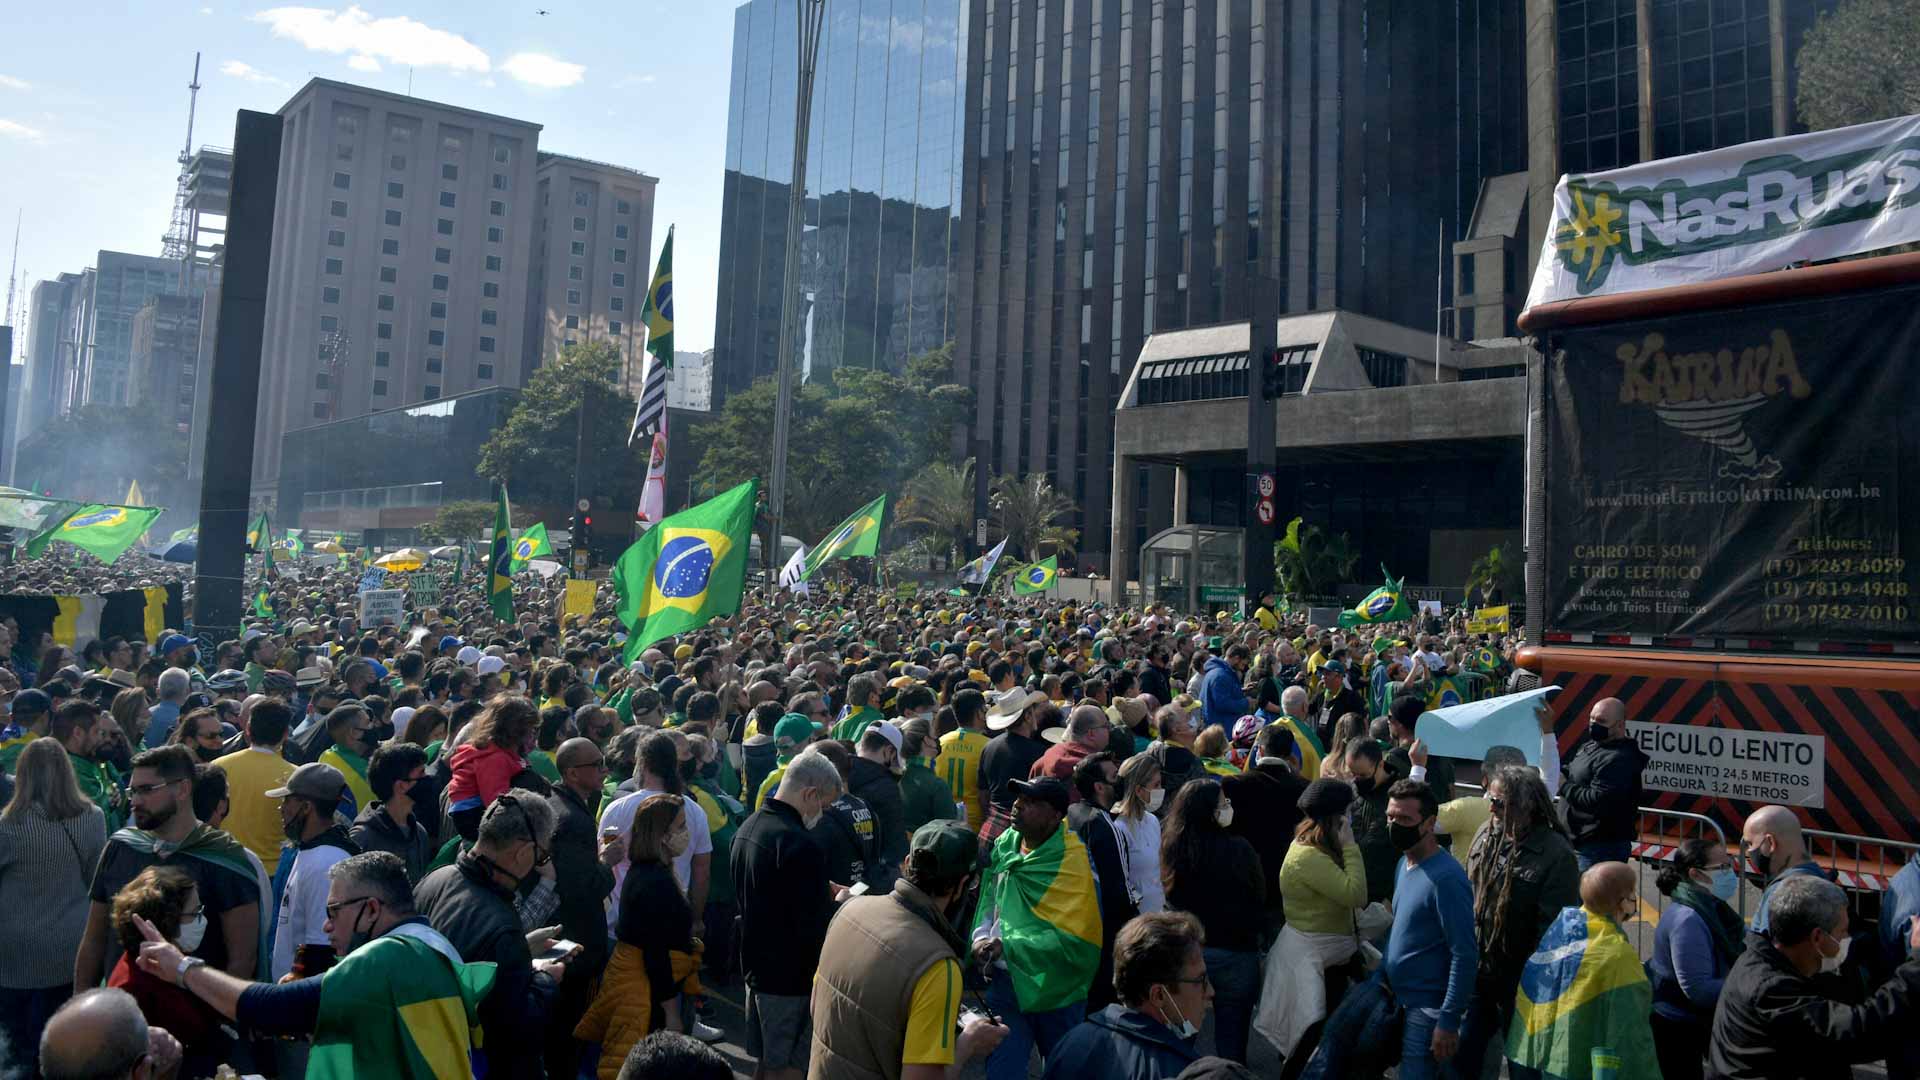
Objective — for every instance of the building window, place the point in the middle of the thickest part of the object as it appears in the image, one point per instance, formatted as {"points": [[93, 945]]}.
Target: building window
{"points": [[393, 218], [573, 322], [619, 255], [620, 232], [382, 358], [436, 337], [330, 295], [497, 208], [618, 303], [495, 234], [490, 290], [619, 279], [448, 199], [573, 297], [582, 198], [567, 343], [443, 226], [443, 255], [439, 283], [622, 206], [343, 151], [579, 223], [319, 410], [320, 380], [574, 274], [613, 327], [433, 365], [335, 266], [336, 238], [337, 208], [578, 249], [449, 171], [486, 345], [486, 371], [389, 274], [499, 181], [389, 246], [386, 302], [493, 263], [396, 190], [379, 388], [398, 162], [433, 391], [383, 331], [502, 154], [328, 324], [342, 181], [489, 317], [437, 310], [1383, 369]]}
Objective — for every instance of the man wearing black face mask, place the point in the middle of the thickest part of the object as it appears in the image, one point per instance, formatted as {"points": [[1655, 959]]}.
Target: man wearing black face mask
{"points": [[1372, 778], [306, 816], [887, 994], [1602, 787]]}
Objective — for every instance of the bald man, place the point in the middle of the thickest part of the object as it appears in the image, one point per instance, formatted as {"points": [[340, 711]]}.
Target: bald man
{"points": [[1602, 787], [102, 1033], [1618, 1019], [1771, 838], [1611, 889], [583, 874]]}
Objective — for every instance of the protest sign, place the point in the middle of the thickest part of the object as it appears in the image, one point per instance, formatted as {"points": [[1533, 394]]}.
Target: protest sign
{"points": [[580, 597], [1466, 731], [381, 607]]}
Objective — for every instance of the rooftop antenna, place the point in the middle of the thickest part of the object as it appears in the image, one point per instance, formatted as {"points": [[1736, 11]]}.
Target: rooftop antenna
{"points": [[11, 267], [177, 244]]}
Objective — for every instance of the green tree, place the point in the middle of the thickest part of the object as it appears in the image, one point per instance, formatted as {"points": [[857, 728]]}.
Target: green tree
{"points": [[939, 501], [1860, 62], [1027, 509], [533, 453], [1497, 573], [1309, 563], [468, 519]]}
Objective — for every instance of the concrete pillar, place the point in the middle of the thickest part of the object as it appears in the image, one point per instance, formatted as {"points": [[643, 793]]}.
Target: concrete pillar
{"points": [[1543, 122], [1777, 52], [1643, 54], [1122, 535], [1182, 493]]}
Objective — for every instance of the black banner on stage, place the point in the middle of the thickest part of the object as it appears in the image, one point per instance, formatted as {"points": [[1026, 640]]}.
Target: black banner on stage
{"points": [[1738, 474]]}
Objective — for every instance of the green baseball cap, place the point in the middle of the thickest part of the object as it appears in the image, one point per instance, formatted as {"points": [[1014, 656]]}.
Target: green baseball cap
{"points": [[955, 848], [793, 731]]}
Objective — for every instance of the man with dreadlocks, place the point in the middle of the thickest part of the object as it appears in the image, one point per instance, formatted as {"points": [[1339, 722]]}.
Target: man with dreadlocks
{"points": [[1524, 872]]}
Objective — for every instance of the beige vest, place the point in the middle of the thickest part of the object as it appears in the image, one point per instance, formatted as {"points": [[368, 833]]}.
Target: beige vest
{"points": [[876, 950]]}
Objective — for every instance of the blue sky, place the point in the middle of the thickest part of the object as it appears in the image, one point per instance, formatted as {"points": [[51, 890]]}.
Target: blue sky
{"points": [[93, 103]]}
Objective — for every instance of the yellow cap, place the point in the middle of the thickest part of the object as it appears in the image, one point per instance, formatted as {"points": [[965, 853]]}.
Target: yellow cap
{"points": [[684, 652]]}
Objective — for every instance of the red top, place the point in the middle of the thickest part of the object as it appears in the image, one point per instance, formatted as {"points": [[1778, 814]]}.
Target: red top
{"points": [[1059, 762], [481, 774], [185, 1016]]}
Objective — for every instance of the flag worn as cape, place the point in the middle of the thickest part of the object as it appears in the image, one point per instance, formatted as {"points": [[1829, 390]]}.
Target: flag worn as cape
{"points": [[1583, 1002], [402, 1005], [686, 570], [858, 535], [216, 847], [1037, 577], [1383, 605], [500, 562], [1049, 917]]}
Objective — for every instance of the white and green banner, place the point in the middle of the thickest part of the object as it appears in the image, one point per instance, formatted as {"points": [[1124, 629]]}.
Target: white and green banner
{"points": [[1742, 209]]}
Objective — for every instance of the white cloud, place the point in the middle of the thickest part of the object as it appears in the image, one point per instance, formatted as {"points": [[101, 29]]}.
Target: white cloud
{"points": [[362, 62], [395, 39], [547, 72], [240, 69], [14, 130], [12, 83]]}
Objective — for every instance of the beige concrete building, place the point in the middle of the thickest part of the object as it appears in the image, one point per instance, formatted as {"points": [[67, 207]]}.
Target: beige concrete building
{"points": [[592, 237]]}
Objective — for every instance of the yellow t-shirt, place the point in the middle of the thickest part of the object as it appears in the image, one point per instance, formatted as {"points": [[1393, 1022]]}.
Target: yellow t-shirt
{"points": [[1266, 619], [768, 786], [959, 766], [1461, 819], [936, 1005], [252, 818]]}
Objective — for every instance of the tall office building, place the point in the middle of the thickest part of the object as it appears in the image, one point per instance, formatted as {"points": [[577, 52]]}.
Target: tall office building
{"points": [[883, 187], [401, 259], [163, 363], [1136, 166], [592, 237], [120, 285]]}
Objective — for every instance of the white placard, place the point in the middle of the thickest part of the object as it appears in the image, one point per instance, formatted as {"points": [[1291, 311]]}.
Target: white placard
{"points": [[382, 607], [1730, 763]]}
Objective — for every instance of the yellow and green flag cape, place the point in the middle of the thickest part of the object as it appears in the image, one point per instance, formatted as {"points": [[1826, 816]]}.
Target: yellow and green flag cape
{"points": [[858, 535], [1049, 918], [686, 570], [1388, 603], [1037, 577], [1583, 1003], [403, 1005]]}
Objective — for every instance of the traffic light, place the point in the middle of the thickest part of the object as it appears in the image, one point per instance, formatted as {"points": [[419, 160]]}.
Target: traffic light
{"points": [[1273, 378], [582, 529]]}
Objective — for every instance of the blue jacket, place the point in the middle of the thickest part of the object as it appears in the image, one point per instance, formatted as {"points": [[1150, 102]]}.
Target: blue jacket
{"points": [[1221, 698], [1686, 969], [1118, 1043]]}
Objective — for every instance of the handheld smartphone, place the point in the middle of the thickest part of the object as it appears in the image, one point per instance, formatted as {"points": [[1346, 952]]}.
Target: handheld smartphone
{"points": [[859, 889], [560, 950]]}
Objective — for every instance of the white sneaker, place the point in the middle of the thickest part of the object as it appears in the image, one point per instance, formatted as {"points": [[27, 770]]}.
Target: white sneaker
{"points": [[706, 1033]]}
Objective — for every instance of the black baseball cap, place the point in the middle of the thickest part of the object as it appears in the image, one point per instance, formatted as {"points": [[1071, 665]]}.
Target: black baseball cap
{"points": [[1047, 789]]}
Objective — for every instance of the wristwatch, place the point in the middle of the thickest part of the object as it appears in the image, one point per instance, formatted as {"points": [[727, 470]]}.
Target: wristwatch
{"points": [[187, 963]]}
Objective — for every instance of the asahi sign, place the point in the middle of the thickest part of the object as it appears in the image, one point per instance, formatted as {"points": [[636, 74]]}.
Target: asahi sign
{"points": [[1743, 209]]}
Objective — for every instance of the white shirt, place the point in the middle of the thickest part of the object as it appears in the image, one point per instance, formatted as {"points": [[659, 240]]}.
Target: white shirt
{"points": [[303, 906], [1140, 853], [619, 816]]}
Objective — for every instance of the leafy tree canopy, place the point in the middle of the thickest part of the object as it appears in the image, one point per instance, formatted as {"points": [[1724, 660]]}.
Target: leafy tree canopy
{"points": [[467, 519], [533, 453], [1861, 62]]}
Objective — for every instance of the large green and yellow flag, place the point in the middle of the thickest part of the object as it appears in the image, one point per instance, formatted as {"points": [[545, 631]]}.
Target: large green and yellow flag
{"points": [[257, 532], [403, 1005], [1038, 577], [1583, 1003], [686, 570], [657, 314], [106, 531], [532, 542], [858, 535], [500, 562], [1049, 918], [1383, 605]]}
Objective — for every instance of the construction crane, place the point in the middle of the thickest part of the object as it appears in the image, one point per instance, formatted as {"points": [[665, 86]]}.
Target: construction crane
{"points": [[177, 244]]}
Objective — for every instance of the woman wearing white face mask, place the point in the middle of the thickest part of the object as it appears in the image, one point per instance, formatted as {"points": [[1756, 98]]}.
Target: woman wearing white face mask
{"points": [[1699, 938], [1215, 876], [1137, 824], [169, 900]]}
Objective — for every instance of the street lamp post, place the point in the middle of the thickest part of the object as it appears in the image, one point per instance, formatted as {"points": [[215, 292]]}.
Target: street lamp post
{"points": [[812, 14]]}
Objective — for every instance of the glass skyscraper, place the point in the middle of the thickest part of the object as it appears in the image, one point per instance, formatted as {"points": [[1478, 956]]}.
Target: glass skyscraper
{"points": [[883, 187]]}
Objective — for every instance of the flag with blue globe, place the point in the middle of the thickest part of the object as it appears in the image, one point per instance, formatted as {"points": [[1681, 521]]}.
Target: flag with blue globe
{"points": [[685, 571]]}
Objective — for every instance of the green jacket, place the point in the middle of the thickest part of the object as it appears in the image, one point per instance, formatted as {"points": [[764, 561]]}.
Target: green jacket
{"points": [[724, 815], [100, 782], [924, 796]]}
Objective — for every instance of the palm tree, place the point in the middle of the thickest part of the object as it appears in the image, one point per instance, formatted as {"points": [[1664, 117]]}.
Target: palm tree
{"points": [[1026, 508], [1309, 563], [939, 499], [1496, 572]]}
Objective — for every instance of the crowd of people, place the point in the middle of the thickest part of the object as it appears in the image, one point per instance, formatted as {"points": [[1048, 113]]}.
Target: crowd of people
{"points": [[925, 834]]}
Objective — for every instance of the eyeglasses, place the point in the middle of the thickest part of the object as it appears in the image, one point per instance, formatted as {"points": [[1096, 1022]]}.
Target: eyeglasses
{"points": [[1496, 803], [192, 913], [1202, 980], [333, 909], [597, 765], [141, 791]]}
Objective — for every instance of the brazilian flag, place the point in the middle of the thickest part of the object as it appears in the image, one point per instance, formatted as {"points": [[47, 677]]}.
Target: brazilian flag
{"points": [[105, 531], [532, 542], [1049, 917], [1385, 604], [1583, 1002], [1038, 577], [403, 1005], [1447, 690], [500, 562], [686, 570], [858, 535], [257, 533], [262, 600]]}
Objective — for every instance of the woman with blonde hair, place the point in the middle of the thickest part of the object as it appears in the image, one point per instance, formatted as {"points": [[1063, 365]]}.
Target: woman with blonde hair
{"points": [[1210, 746], [1349, 729], [51, 837], [131, 712], [1136, 823], [492, 758]]}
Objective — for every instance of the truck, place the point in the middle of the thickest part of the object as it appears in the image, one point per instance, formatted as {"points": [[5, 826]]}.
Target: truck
{"points": [[1723, 505]]}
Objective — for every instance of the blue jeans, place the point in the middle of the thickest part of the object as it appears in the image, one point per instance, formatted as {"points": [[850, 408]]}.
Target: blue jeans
{"points": [[1416, 1048], [1025, 1030], [1589, 854], [1236, 986]]}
